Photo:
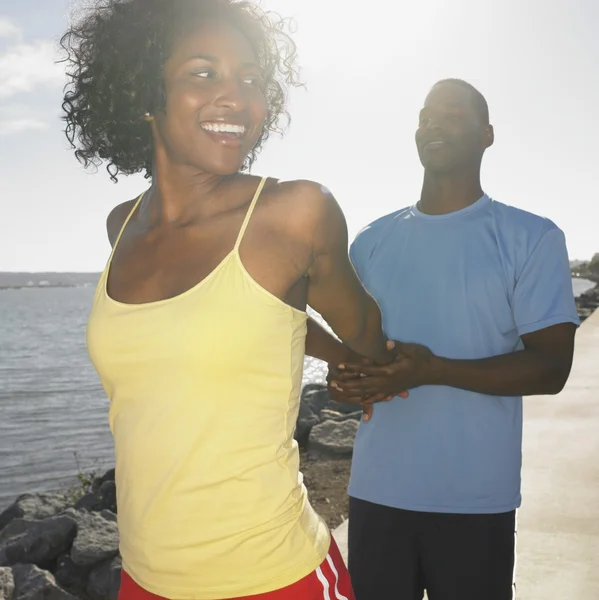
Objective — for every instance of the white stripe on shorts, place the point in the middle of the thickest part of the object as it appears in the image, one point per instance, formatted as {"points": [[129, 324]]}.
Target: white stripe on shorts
{"points": [[338, 594], [326, 586]]}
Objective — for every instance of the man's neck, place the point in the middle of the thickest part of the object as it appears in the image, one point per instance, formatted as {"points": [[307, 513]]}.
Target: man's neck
{"points": [[446, 193]]}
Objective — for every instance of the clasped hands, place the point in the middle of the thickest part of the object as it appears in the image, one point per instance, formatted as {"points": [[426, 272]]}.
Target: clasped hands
{"points": [[360, 381]]}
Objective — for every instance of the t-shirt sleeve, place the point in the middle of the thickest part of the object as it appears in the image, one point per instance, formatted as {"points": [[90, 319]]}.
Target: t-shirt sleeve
{"points": [[543, 295]]}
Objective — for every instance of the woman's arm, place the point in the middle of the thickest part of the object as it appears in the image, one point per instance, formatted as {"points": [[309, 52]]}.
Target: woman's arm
{"points": [[334, 289], [321, 344]]}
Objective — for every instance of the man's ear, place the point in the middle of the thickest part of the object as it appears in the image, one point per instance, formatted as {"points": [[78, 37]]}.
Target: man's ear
{"points": [[489, 136]]}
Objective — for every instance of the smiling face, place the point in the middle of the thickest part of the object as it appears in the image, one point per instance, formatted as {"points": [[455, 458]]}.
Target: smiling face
{"points": [[215, 104], [452, 134]]}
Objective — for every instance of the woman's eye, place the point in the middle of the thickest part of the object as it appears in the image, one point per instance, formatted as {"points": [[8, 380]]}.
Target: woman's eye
{"points": [[254, 80], [203, 74]]}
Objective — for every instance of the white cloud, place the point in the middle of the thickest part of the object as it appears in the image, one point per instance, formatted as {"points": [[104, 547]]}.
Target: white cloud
{"points": [[19, 125], [8, 29], [23, 67]]}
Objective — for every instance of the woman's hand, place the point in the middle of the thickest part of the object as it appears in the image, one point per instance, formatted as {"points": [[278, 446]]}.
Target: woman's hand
{"points": [[351, 383]]}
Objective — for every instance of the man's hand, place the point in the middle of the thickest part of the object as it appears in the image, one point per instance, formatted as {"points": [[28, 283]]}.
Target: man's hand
{"points": [[339, 376], [414, 365]]}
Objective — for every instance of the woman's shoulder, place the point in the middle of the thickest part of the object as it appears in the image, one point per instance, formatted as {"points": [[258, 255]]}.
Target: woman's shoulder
{"points": [[302, 198], [301, 207], [116, 219], [308, 190]]}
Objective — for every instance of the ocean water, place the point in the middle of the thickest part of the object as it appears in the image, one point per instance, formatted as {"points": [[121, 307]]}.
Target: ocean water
{"points": [[53, 411]]}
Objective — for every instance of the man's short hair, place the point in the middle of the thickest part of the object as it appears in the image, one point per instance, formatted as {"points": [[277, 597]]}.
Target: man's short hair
{"points": [[478, 100]]}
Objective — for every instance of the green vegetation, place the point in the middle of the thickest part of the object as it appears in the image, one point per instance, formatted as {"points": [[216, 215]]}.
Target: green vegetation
{"points": [[588, 270], [84, 485]]}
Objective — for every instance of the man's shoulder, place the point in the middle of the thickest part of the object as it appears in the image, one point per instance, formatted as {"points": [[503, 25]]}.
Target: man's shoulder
{"points": [[514, 220], [374, 232]]}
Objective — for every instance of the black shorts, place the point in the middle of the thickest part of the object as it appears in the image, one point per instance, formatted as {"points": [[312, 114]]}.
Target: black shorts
{"points": [[398, 554]]}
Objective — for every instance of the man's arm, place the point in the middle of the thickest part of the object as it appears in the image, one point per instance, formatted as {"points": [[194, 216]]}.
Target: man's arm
{"points": [[545, 316], [542, 367]]}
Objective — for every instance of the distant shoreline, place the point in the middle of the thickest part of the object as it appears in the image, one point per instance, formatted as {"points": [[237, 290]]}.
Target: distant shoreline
{"points": [[587, 276], [28, 280], [42, 287], [86, 280]]}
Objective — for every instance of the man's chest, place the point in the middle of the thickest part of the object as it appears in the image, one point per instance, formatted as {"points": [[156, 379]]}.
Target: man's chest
{"points": [[451, 291]]}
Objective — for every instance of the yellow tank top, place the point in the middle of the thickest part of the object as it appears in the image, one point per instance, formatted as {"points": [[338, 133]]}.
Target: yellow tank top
{"points": [[204, 394]]}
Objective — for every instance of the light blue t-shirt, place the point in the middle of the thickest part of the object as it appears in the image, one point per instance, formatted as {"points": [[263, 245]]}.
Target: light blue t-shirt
{"points": [[466, 284]]}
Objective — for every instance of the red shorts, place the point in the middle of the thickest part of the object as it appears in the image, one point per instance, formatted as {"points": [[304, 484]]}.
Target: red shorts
{"points": [[330, 581]]}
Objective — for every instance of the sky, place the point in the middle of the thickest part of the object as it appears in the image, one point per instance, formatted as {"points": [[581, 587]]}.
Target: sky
{"points": [[367, 71]]}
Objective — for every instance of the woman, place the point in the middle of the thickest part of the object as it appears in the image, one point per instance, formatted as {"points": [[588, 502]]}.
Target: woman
{"points": [[198, 326]]}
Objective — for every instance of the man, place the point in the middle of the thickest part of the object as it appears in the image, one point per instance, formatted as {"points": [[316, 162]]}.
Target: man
{"points": [[479, 295]]}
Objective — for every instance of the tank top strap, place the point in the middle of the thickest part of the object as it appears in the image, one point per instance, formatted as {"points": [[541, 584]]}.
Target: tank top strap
{"points": [[131, 212], [248, 215]]}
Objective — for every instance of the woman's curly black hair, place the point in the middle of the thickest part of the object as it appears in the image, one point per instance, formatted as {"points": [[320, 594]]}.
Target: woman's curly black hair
{"points": [[115, 56]]}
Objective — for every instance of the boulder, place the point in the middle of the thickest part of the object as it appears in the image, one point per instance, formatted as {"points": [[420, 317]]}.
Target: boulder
{"points": [[7, 583], [35, 506], [105, 580], [31, 583], [70, 576], [306, 419], [318, 398], [109, 515], [97, 538], [103, 498], [311, 387], [331, 415], [332, 439], [36, 542], [108, 476]]}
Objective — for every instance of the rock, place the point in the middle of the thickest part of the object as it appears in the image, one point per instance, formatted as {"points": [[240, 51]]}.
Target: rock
{"points": [[31, 583], [332, 439], [306, 419], [36, 542], [35, 506], [108, 476], [97, 538], [319, 399], [311, 387], [316, 398], [108, 515], [7, 583], [71, 577], [340, 407], [14, 529], [103, 498], [105, 580], [331, 415]]}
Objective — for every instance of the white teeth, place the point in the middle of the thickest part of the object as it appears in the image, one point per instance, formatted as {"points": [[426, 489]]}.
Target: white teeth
{"points": [[223, 128]]}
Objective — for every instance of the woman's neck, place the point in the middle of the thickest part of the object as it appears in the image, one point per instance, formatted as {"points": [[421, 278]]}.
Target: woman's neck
{"points": [[179, 193]]}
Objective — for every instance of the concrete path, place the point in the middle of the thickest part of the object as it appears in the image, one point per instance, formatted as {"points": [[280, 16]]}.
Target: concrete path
{"points": [[558, 524], [340, 535]]}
